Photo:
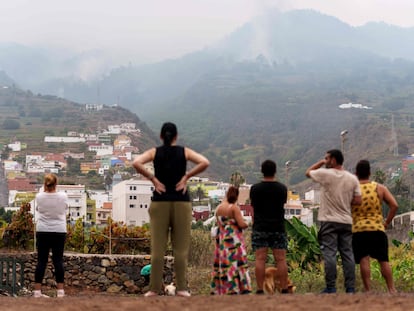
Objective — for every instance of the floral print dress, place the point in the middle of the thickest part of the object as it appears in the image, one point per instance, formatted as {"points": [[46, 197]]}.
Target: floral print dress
{"points": [[230, 274]]}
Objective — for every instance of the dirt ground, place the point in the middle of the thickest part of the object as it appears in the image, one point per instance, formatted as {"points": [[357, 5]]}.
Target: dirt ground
{"points": [[295, 302]]}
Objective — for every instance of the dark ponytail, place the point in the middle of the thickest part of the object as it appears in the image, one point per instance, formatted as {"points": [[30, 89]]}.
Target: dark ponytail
{"points": [[168, 133]]}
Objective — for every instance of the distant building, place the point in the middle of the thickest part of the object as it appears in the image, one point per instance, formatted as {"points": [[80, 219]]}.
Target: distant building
{"points": [[131, 200], [100, 196], [63, 139], [21, 184], [104, 138], [101, 149], [77, 201], [86, 167], [103, 213], [122, 141], [313, 195], [15, 146], [201, 215], [93, 107], [78, 156], [114, 129], [10, 165]]}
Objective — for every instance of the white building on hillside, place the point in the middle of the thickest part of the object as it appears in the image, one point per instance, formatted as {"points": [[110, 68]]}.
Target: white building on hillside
{"points": [[63, 139], [131, 200], [100, 197], [15, 146], [102, 149], [314, 196], [77, 201]]}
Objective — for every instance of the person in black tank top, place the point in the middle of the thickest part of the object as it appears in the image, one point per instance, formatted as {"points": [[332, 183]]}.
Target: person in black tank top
{"points": [[170, 209]]}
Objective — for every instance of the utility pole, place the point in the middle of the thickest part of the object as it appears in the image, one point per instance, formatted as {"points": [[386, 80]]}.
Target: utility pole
{"points": [[287, 167], [343, 139]]}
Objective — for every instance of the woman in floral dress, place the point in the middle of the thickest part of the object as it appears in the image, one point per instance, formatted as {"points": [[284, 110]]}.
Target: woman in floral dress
{"points": [[230, 274]]}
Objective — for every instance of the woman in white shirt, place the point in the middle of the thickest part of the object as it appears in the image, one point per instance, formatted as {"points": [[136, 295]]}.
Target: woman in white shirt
{"points": [[50, 233]]}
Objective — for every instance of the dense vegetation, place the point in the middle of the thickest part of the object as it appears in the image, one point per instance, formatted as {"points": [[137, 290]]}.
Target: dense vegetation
{"points": [[304, 257]]}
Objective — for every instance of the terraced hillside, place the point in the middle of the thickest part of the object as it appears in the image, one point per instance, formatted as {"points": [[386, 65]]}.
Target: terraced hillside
{"points": [[28, 118]]}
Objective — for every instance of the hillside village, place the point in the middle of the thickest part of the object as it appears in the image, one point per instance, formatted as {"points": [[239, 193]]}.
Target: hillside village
{"points": [[125, 200], [120, 193], [105, 155]]}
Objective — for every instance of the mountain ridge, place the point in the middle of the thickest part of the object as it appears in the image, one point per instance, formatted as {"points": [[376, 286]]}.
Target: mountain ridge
{"points": [[240, 103]]}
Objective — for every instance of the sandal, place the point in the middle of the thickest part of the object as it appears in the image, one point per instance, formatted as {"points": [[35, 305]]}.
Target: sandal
{"points": [[38, 294], [150, 294], [183, 293]]}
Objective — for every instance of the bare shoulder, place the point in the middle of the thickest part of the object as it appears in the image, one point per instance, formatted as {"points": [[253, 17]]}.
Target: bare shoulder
{"points": [[381, 190]]}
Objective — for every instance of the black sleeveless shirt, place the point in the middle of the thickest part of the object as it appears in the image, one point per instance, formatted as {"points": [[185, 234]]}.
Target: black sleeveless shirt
{"points": [[170, 166]]}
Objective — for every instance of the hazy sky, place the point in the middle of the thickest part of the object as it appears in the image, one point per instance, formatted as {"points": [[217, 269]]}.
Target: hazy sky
{"points": [[150, 30]]}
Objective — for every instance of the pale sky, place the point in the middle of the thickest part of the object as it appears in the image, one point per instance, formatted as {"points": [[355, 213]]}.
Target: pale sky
{"points": [[152, 30]]}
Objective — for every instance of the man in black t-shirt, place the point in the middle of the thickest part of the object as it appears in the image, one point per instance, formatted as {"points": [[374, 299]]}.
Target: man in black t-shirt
{"points": [[268, 198]]}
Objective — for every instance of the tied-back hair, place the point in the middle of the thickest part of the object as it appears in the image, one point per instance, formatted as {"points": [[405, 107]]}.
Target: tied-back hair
{"points": [[168, 133], [363, 169], [50, 182], [232, 194]]}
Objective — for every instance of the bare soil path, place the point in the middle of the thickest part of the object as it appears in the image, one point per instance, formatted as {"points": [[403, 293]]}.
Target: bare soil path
{"points": [[296, 302]]}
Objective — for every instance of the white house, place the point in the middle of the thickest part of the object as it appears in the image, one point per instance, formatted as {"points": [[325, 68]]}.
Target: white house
{"points": [[101, 149], [294, 208], [100, 197], [77, 201], [10, 165], [131, 200], [16, 146], [93, 107], [313, 196], [63, 139], [36, 168], [34, 158], [114, 129]]}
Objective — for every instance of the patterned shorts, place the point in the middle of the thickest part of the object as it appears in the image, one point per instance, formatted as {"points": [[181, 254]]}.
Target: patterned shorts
{"points": [[273, 240]]}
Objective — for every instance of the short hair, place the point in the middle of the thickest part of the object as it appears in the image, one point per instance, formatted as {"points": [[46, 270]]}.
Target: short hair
{"points": [[337, 155], [232, 194], [50, 182], [269, 168], [363, 169]]}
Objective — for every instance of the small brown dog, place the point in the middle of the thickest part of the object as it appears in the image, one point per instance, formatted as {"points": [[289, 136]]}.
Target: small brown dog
{"points": [[271, 283]]}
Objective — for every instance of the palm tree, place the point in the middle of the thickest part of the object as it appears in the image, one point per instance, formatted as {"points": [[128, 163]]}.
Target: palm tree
{"points": [[380, 176], [236, 179]]}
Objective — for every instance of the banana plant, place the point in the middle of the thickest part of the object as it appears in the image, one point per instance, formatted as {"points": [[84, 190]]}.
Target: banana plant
{"points": [[303, 245]]}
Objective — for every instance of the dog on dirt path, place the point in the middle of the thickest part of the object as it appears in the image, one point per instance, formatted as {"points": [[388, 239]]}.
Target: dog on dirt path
{"points": [[271, 283], [170, 289]]}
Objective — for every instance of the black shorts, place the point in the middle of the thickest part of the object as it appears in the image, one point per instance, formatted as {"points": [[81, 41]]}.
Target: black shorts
{"points": [[273, 240], [370, 243]]}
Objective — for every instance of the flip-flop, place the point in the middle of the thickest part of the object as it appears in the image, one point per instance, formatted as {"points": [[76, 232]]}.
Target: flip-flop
{"points": [[150, 294], [183, 293]]}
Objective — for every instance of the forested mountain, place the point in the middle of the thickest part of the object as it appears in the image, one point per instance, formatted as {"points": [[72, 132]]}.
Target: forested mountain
{"points": [[272, 89]]}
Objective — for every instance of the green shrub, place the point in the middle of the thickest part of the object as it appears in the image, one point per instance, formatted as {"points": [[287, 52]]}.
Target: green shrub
{"points": [[20, 232], [201, 248]]}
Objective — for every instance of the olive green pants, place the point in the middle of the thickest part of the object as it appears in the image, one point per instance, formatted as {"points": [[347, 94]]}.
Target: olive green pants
{"points": [[177, 217]]}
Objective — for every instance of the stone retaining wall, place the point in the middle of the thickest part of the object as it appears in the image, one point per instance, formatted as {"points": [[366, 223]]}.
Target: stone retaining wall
{"points": [[106, 273]]}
